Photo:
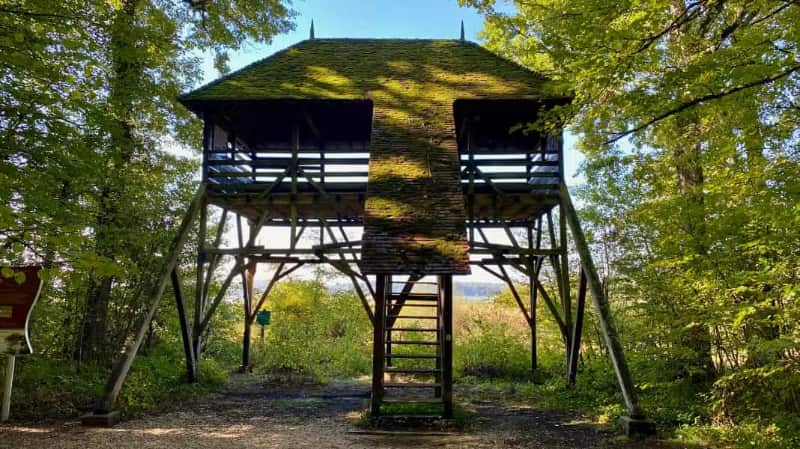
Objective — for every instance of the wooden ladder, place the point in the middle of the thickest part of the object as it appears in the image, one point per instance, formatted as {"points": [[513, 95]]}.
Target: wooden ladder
{"points": [[414, 366]]}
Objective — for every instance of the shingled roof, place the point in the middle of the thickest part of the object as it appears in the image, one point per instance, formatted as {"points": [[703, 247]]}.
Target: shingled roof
{"points": [[414, 218]]}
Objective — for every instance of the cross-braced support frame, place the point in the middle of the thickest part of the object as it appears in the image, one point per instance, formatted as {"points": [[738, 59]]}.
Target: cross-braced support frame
{"points": [[530, 244]]}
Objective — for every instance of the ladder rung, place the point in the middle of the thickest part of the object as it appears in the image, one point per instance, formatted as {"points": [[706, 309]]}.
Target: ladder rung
{"points": [[411, 356], [410, 385], [405, 304], [414, 317], [417, 296], [416, 282], [412, 401], [414, 342], [393, 369], [426, 416], [411, 329]]}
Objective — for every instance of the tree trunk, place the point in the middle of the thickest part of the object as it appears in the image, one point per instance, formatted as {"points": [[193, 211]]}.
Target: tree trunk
{"points": [[127, 71], [687, 159]]}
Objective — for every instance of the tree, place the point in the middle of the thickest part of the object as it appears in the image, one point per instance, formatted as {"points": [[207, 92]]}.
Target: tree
{"points": [[89, 122], [687, 114]]}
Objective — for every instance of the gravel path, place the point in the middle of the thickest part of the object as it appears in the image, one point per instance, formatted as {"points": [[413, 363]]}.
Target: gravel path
{"points": [[252, 414]]}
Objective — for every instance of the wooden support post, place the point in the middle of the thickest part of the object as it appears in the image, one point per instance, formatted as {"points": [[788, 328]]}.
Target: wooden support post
{"points": [[186, 337], [5, 410], [378, 355], [534, 268], [563, 285], [564, 272], [533, 297], [575, 350], [390, 310], [446, 286], [603, 309], [249, 315], [247, 298], [471, 188], [220, 295], [345, 268], [200, 290], [293, 190], [105, 404], [213, 261]]}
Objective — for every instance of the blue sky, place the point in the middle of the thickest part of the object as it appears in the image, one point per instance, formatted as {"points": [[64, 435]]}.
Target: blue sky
{"points": [[366, 18]]}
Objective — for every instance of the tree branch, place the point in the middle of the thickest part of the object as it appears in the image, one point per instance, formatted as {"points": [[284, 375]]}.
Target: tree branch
{"points": [[700, 100]]}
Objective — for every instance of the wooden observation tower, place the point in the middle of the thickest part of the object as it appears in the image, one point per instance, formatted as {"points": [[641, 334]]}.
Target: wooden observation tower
{"points": [[411, 142]]}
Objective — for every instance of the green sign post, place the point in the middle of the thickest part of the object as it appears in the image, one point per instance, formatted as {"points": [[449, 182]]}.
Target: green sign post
{"points": [[263, 318]]}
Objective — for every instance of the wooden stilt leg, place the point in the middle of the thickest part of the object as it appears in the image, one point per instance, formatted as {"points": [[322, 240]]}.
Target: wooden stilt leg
{"points": [[378, 342], [185, 334], [447, 345], [603, 310], [389, 322], [200, 292], [120, 371], [533, 296], [575, 350], [249, 315]]}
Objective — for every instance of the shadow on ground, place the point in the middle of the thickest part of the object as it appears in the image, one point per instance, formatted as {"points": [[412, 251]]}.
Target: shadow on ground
{"points": [[252, 413]]}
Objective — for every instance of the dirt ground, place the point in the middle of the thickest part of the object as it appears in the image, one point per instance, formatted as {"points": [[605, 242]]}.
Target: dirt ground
{"points": [[253, 414]]}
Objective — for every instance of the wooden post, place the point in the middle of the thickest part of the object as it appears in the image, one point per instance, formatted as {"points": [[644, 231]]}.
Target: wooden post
{"points": [[185, 335], [247, 298], [9, 382], [446, 282], [249, 315], [532, 290], [563, 285], [378, 344], [391, 309], [603, 309], [105, 404], [564, 272], [200, 292], [575, 350]]}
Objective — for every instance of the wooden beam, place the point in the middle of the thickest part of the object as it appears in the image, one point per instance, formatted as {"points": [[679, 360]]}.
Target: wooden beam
{"points": [[446, 295], [603, 309], [200, 293], [552, 308], [555, 261], [120, 371], [186, 337], [575, 350], [515, 294], [564, 272], [215, 258], [345, 268], [275, 278], [378, 354], [220, 295]]}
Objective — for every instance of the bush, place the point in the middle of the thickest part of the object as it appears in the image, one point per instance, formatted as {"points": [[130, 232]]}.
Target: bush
{"points": [[314, 333], [56, 389], [490, 350]]}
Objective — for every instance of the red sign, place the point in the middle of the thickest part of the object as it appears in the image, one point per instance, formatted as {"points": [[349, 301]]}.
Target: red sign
{"points": [[18, 294]]}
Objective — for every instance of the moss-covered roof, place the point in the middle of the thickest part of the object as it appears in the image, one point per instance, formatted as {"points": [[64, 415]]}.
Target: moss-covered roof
{"points": [[414, 219], [354, 68]]}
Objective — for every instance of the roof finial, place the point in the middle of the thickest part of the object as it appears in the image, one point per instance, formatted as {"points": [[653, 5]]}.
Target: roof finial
{"points": [[462, 31], [311, 33]]}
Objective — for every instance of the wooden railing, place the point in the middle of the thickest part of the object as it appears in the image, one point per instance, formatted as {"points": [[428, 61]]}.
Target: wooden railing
{"points": [[491, 169]]}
